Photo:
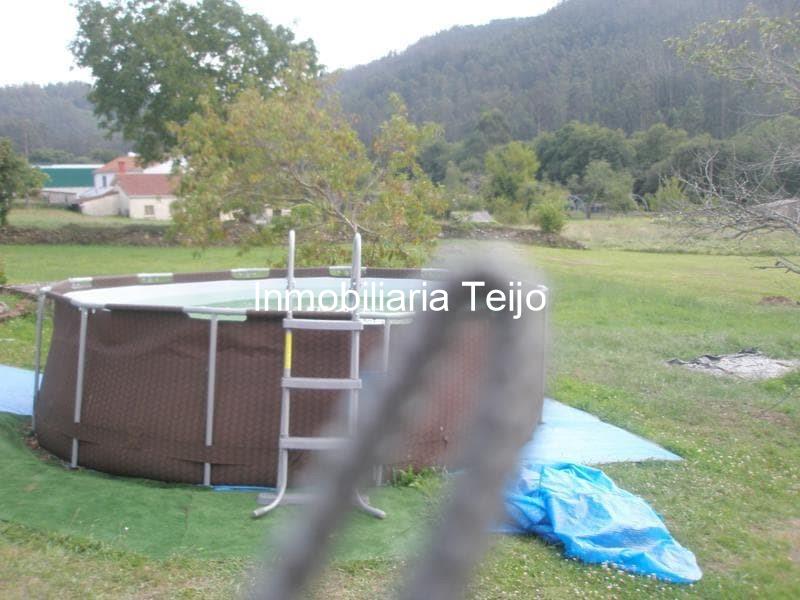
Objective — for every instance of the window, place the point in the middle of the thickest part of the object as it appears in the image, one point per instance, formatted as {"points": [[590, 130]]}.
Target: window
{"points": [[149, 210]]}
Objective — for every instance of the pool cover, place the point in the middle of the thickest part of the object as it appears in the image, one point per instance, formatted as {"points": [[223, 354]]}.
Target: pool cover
{"points": [[597, 522]]}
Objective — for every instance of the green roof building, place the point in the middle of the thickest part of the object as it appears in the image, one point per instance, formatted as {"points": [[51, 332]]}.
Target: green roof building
{"points": [[69, 176]]}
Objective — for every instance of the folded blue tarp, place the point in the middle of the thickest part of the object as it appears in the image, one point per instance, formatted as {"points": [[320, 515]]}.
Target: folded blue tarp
{"points": [[597, 522], [16, 390]]}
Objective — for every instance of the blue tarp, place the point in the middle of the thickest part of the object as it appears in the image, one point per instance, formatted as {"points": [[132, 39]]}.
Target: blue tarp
{"points": [[16, 390], [597, 522], [571, 435]]}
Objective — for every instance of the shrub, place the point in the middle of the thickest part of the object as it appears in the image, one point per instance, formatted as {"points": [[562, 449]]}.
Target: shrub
{"points": [[669, 195], [2, 271], [507, 212], [549, 215]]}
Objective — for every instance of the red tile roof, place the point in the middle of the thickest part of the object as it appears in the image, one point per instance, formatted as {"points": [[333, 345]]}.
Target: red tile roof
{"points": [[147, 184], [121, 164]]}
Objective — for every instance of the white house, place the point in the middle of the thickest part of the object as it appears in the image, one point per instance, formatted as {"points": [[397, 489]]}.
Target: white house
{"points": [[146, 195], [134, 195], [105, 175]]}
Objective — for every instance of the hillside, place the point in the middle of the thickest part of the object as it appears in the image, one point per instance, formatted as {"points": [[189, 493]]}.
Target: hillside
{"points": [[53, 117], [599, 61]]}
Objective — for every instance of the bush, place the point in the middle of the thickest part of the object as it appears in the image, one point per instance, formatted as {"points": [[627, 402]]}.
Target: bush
{"points": [[549, 215], [2, 272], [669, 195], [507, 212]]}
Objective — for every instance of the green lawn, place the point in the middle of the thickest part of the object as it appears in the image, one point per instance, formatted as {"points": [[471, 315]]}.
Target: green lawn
{"points": [[649, 234], [617, 317], [52, 218], [51, 263]]}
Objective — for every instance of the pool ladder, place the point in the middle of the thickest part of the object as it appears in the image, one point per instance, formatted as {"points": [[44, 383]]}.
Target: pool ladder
{"points": [[351, 385]]}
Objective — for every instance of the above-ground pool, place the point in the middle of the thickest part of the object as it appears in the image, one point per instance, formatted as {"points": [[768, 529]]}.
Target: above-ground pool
{"points": [[177, 377]]}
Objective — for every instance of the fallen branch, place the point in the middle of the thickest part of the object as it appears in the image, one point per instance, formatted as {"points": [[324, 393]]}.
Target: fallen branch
{"points": [[783, 263]]}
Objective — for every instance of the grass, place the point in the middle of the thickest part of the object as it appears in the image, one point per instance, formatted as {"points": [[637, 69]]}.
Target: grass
{"points": [[648, 234], [38, 217], [163, 521], [617, 317], [51, 263]]}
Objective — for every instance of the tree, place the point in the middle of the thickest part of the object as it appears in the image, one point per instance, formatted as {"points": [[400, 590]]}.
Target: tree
{"points": [[568, 151], [603, 185], [153, 60], [509, 168], [491, 130], [744, 198], [295, 149], [434, 156], [651, 150], [756, 49], [17, 178]]}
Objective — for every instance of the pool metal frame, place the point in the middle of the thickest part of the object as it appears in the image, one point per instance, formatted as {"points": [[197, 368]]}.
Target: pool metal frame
{"points": [[387, 320], [86, 308]]}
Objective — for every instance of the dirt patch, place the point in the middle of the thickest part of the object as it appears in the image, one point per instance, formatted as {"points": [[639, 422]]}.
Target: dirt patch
{"points": [[747, 364], [21, 308], [778, 301]]}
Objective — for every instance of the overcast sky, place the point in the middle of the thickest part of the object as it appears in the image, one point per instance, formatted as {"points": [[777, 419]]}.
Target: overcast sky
{"points": [[34, 33]]}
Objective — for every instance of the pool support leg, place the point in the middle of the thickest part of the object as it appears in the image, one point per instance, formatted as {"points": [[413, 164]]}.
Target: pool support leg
{"points": [[37, 359], [210, 396], [79, 383]]}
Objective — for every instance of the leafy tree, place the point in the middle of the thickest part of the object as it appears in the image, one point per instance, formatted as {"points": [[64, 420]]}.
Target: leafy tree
{"points": [[491, 130], [17, 178], [757, 50], [769, 152], [651, 149], [295, 149], [568, 151], [435, 155], [508, 168], [604, 185], [699, 157], [493, 127], [153, 60], [761, 51]]}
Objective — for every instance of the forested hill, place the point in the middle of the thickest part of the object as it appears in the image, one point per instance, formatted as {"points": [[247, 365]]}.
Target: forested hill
{"points": [[54, 122], [599, 61]]}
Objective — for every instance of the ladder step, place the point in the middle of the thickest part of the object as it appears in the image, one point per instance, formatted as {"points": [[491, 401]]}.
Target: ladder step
{"points": [[320, 383], [323, 324], [312, 443]]}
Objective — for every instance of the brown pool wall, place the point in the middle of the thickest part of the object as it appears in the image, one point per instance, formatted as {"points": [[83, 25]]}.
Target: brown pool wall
{"points": [[143, 410]]}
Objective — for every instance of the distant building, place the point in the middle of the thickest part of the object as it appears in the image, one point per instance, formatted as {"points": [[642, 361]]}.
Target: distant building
{"points": [[104, 176], [66, 182], [147, 195], [136, 195], [126, 188]]}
